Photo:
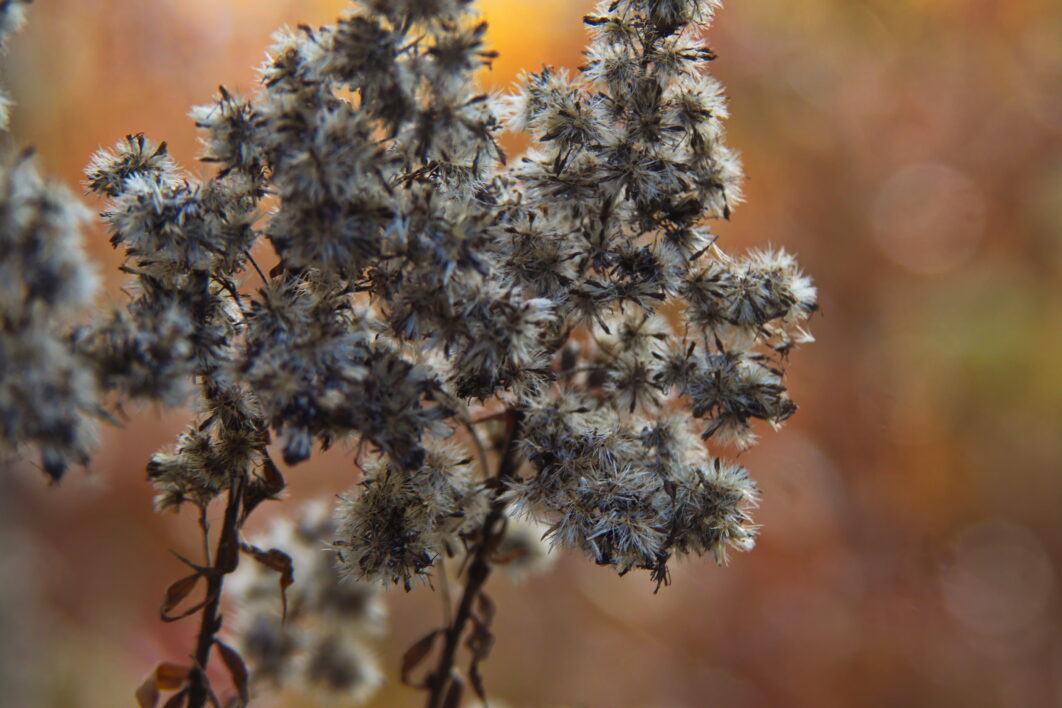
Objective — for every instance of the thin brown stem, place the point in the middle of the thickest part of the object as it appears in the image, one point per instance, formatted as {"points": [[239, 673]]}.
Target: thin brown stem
{"points": [[490, 416], [204, 525], [480, 450], [230, 288], [478, 572], [225, 560], [265, 280], [444, 592]]}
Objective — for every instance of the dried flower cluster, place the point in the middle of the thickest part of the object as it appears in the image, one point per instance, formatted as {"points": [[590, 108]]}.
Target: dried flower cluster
{"points": [[313, 637], [12, 17], [48, 396], [423, 291], [405, 518]]}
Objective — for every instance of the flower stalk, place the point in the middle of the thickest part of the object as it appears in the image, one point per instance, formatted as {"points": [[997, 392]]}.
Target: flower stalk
{"points": [[442, 682]]}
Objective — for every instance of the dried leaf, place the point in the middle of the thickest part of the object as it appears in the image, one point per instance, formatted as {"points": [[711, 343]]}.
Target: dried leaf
{"points": [[274, 558], [187, 613], [170, 677], [177, 700], [415, 655], [166, 677], [487, 608], [237, 670], [477, 681], [253, 495], [175, 594], [263, 487], [272, 477], [147, 695], [201, 569], [279, 561], [480, 641]]}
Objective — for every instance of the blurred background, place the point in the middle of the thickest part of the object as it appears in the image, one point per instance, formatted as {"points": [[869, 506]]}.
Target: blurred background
{"points": [[907, 150]]}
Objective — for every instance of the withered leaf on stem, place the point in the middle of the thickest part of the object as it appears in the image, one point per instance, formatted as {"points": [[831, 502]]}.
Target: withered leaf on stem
{"points": [[480, 641], [272, 477], [147, 695], [476, 677], [177, 700], [263, 487], [486, 608], [237, 670], [416, 654], [170, 677], [166, 677], [177, 592], [279, 561]]}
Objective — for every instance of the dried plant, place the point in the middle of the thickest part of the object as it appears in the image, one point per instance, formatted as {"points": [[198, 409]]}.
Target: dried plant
{"points": [[547, 342]]}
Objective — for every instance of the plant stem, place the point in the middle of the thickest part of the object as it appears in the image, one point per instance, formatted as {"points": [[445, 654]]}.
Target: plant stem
{"points": [[225, 560], [478, 570]]}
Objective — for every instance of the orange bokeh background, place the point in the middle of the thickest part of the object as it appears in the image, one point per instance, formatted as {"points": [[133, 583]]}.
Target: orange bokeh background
{"points": [[907, 150]]}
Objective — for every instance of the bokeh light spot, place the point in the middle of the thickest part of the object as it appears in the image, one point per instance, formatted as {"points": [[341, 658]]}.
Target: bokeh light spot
{"points": [[928, 218], [1000, 579]]}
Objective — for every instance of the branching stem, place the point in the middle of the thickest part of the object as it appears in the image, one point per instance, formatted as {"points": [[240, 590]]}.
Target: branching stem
{"points": [[441, 680], [225, 560]]}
